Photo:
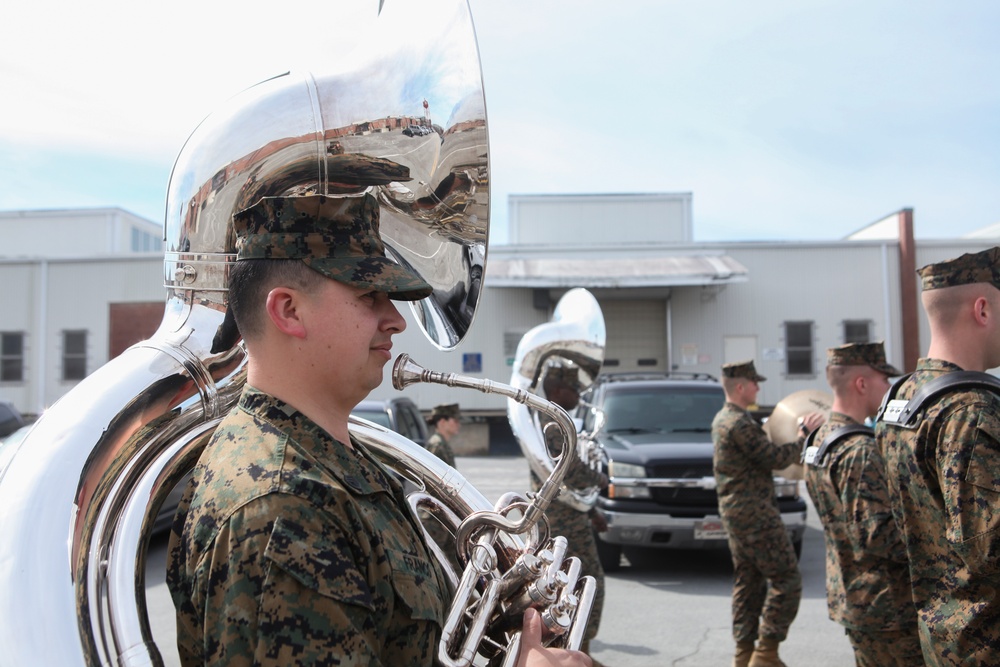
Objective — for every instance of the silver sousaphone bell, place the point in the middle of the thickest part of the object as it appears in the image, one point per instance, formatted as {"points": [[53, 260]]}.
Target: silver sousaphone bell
{"points": [[79, 497]]}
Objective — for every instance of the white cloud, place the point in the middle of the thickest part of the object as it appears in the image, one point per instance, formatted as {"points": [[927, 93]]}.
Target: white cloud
{"points": [[785, 119]]}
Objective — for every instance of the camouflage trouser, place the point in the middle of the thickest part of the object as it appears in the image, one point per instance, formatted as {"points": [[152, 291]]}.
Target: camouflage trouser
{"points": [[892, 648], [767, 586], [576, 528]]}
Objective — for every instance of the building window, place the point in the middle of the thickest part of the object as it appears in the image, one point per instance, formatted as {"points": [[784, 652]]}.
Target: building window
{"points": [[857, 331], [145, 242], [511, 339], [11, 356], [799, 348], [74, 355]]}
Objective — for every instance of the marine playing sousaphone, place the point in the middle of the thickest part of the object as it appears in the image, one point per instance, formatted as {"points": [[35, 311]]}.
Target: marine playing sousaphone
{"points": [[573, 339], [78, 499]]}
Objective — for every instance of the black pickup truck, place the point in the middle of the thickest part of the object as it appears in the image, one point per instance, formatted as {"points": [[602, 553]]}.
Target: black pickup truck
{"points": [[657, 437]]}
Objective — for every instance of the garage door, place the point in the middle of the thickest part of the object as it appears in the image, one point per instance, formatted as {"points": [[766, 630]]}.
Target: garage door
{"points": [[637, 335]]}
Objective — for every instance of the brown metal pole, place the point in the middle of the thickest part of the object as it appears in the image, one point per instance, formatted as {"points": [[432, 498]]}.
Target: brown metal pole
{"points": [[908, 290]]}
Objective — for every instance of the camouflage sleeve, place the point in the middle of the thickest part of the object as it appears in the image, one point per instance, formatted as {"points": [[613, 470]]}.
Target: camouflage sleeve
{"points": [[859, 477], [759, 449], [439, 447], [968, 470], [286, 592], [581, 476]]}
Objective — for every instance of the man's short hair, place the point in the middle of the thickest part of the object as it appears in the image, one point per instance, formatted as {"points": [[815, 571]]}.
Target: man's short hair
{"points": [[251, 280]]}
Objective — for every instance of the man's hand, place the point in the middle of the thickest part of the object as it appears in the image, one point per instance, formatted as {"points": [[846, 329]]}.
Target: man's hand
{"points": [[811, 422], [534, 654], [603, 482], [598, 521]]}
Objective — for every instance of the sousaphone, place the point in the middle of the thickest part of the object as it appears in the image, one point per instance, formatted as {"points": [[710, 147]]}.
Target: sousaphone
{"points": [[78, 499]]}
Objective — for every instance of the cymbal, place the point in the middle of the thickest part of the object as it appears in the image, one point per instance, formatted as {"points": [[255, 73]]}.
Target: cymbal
{"points": [[783, 424]]}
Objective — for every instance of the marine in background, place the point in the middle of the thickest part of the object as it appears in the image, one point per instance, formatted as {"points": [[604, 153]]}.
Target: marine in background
{"points": [[867, 573], [944, 464], [447, 422], [767, 585], [561, 384]]}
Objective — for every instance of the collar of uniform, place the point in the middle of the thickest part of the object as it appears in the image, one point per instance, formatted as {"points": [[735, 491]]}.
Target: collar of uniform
{"points": [[356, 472], [731, 405], [940, 365], [840, 419]]}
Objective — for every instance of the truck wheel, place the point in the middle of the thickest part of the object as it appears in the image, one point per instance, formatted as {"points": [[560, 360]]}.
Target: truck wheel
{"points": [[609, 554]]}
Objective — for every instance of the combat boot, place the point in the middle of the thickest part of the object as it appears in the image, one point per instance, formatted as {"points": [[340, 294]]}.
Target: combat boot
{"points": [[743, 651], [766, 654]]}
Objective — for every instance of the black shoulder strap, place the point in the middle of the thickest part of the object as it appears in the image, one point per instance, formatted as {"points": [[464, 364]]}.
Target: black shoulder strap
{"points": [[890, 395], [898, 412], [816, 456]]}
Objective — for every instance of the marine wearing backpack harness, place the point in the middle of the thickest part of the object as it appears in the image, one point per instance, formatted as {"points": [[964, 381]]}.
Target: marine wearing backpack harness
{"points": [[939, 434], [867, 576]]}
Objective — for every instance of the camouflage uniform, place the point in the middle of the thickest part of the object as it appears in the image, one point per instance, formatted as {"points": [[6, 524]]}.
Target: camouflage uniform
{"points": [[297, 550], [944, 485], [867, 580], [438, 445], [945, 491], [768, 586]]}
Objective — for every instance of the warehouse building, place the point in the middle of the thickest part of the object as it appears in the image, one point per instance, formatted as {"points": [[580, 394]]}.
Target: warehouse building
{"points": [[90, 284]]}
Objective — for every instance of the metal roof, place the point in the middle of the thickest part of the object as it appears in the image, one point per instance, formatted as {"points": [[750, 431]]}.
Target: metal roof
{"points": [[662, 271]]}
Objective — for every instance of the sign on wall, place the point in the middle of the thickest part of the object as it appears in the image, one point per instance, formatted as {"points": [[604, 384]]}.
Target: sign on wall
{"points": [[472, 362]]}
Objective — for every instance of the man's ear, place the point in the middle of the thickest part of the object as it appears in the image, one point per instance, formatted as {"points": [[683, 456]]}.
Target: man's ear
{"points": [[283, 308], [982, 310]]}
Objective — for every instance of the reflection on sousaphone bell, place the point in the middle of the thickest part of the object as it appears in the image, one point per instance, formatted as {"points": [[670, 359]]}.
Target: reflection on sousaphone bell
{"points": [[340, 131], [783, 424]]}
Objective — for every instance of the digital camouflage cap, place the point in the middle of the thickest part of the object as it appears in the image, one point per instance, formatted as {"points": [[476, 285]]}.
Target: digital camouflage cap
{"points": [[973, 267], [742, 369], [449, 411], [336, 236], [861, 354]]}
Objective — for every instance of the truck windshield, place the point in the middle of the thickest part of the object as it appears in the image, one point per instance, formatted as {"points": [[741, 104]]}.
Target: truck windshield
{"points": [[663, 410]]}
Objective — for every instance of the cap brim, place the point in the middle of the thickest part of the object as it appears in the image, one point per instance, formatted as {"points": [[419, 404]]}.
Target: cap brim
{"points": [[891, 371], [378, 273]]}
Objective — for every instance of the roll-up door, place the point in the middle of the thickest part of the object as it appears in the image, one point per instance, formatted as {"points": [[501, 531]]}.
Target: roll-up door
{"points": [[637, 335]]}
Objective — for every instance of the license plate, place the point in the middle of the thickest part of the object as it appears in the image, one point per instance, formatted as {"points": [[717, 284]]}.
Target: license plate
{"points": [[710, 529]]}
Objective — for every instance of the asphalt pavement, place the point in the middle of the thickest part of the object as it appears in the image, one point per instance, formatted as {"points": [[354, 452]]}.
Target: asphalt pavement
{"points": [[664, 607]]}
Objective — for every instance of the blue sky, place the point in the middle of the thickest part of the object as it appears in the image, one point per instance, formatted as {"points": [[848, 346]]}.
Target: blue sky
{"points": [[798, 119]]}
